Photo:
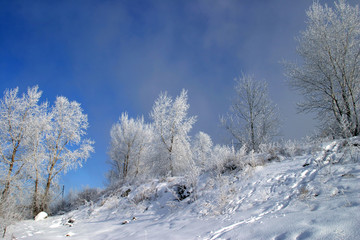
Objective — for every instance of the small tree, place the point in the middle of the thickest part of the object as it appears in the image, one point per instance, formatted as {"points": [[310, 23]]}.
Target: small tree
{"points": [[253, 118], [202, 147], [329, 77], [172, 126], [129, 149]]}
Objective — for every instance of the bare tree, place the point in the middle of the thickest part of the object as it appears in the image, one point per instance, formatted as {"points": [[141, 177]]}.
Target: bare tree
{"points": [[329, 76], [253, 118]]}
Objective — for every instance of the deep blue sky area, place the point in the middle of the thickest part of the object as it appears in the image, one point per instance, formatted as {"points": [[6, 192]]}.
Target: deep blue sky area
{"points": [[116, 56]]}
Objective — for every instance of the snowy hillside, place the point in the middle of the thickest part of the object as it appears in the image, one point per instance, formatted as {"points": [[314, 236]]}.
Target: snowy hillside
{"points": [[312, 196]]}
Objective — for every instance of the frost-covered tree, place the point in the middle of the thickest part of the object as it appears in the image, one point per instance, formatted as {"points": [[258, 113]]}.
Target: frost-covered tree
{"points": [[202, 147], [36, 155], [329, 76], [172, 127], [18, 117], [130, 149], [36, 144], [65, 146], [253, 118]]}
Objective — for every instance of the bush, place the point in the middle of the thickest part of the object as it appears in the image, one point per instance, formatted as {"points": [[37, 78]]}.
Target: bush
{"points": [[227, 159], [76, 199]]}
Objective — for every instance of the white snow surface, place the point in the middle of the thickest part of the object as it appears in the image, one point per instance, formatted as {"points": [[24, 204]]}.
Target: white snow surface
{"points": [[280, 200]]}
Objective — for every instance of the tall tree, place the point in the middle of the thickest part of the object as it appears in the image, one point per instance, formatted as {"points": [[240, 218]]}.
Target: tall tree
{"points": [[329, 76], [17, 119], [253, 118], [172, 126], [36, 154], [65, 145]]}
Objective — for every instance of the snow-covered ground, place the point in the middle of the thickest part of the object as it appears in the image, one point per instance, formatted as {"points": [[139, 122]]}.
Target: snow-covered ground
{"points": [[312, 196]]}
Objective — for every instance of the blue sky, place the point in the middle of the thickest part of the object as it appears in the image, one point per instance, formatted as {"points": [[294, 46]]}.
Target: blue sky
{"points": [[116, 56]]}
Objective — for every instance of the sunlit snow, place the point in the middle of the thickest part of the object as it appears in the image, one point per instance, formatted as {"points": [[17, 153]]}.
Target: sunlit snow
{"points": [[285, 199]]}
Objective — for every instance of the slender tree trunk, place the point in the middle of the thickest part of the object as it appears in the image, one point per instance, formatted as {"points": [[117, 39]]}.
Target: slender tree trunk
{"points": [[7, 184], [8, 179], [252, 135], [170, 157], [4, 232], [125, 168], [35, 205], [46, 198]]}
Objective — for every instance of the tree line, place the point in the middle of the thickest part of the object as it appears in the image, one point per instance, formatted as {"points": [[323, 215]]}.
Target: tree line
{"points": [[328, 78]]}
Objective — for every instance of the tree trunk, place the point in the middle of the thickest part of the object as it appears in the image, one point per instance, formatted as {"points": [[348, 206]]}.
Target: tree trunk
{"points": [[8, 179], [46, 198], [170, 157], [35, 204]]}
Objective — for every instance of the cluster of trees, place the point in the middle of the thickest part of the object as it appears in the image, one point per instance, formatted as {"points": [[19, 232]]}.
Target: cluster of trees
{"points": [[140, 150], [37, 143], [328, 78], [161, 148]]}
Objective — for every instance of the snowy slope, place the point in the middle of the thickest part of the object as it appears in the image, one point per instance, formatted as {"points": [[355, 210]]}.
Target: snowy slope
{"points": [[314, 196]]}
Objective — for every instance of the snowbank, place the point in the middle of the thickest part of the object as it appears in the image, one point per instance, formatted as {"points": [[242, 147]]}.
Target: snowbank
{"points": [[41, 216]]}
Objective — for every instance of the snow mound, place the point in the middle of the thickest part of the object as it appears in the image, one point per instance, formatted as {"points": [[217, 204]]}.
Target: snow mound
{"points": [[41, 216]]}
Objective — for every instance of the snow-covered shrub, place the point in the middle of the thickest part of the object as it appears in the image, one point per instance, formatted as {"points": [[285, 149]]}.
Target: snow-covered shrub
{"points": [[202, 148], [87, 195], [143, 192], [354, 152], [349, 148], [216, 196], [225, 158], [290, 148], [270, 151], [76, 199]]}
